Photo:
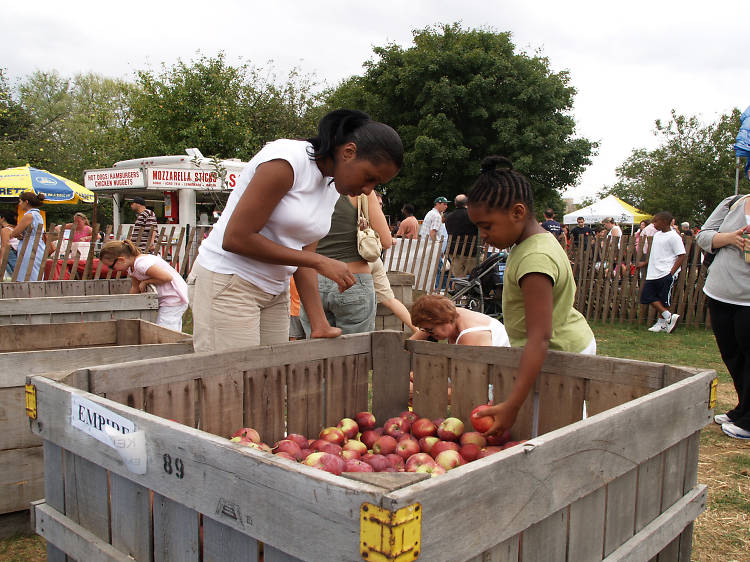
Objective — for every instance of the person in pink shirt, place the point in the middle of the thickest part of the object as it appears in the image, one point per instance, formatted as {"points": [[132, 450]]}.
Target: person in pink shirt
{"points": [[149, 269]]}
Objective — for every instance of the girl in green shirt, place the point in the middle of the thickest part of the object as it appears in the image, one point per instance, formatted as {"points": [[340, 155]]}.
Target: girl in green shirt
{"points": [[539, 287]]}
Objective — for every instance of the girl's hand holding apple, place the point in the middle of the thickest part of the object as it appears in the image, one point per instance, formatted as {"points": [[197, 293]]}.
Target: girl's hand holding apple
{"points": [[490, 420]]}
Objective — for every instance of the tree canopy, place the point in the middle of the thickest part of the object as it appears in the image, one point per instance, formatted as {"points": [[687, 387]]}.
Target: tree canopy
{"points": [[456, 96], [688, 174]]}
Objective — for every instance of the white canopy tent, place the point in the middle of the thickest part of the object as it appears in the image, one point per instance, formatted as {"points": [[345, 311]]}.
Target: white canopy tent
{"points": [[610, 206]]}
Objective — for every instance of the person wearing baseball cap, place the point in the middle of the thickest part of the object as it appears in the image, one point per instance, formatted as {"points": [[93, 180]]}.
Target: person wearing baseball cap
{"points": [[433, 220]]}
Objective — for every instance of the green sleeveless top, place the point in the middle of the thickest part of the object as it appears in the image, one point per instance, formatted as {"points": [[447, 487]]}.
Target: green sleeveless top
{"points": [[341, 241]]}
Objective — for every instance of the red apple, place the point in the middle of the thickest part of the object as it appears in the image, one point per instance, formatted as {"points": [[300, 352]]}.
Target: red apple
{"points": [[499, 439], [378, 462], [441, 446], [248, 433], [324, 446], [473, 437], [290, 447], [431, 470], [304, 453], [409, 416], [356, 446], [418, 460], [384, 445], [437, 422], [487, 451], [427, 443], [448, 459], [396, 461], [350, 455], [470, 451], [285, 455], [365, 420], [355, 465], [407, 448], [369, 436], [325, 461], [396, 427], [349, 427], [482, 425], [332, 434], [451, 429], [423, 427], [300, 440]]}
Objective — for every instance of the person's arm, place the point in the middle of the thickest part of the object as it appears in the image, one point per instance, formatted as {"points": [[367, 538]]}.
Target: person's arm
{"points": [[419, 335], [677, 264], [135, 286], [710, 239], [433, 234], [157, 275], [22, 225], [378, 222], [273, 180], [306, 281], [482, 337], [538, 305]]}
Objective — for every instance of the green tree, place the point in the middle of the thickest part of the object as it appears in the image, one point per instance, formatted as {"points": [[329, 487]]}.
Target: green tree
{"points": [[688, 174], [223, 110], [456, 96]]}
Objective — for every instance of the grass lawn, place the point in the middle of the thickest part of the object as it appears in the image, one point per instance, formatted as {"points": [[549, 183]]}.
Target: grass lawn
{"points": [[722, 532]]}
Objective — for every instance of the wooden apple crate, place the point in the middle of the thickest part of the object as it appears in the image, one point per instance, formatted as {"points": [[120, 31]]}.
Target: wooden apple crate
{"points": [[401, 284], [46, 302], [619, 485], [58, 349]]}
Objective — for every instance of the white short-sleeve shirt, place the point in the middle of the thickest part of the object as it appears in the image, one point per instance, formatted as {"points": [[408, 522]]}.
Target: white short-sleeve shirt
{"points": [[303, 216], [666, 246]]}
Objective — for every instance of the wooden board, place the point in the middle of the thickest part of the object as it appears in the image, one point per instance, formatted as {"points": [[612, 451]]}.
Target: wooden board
{"points": [[264, 402], [305, 398], [431, 385], [21, 478], [131, 518]]}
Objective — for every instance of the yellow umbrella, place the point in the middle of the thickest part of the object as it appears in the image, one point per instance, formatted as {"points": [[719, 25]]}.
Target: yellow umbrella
{"points": [[56, 189]]}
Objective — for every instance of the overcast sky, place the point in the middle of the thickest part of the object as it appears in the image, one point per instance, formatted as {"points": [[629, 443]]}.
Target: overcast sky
{"points": [[631, 62]]}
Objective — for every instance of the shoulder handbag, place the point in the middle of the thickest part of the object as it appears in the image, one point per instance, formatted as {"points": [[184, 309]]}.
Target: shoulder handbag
{"points": [[368, 241]]}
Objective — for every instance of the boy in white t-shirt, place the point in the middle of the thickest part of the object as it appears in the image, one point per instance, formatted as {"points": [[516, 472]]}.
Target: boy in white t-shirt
{"points": [[664, 262]]}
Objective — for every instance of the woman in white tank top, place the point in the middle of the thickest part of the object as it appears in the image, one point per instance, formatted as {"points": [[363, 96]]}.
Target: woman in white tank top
{"points": [[439, 318]]}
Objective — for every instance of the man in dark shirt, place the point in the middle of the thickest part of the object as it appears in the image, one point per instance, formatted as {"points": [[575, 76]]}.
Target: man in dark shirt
{"points": [[550, 224], [144, 229], [581, 230], [463, 233]]}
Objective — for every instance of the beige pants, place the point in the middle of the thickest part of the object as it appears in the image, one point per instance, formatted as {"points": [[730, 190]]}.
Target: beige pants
{"points": [[230, 312]]}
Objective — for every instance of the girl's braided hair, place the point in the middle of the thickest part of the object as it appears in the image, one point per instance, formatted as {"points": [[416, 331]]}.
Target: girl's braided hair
{"points": [[500, 186]]}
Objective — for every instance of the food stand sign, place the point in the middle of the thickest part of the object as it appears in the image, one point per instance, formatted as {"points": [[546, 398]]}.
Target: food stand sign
{"points": [[115, 178], [159, 178]]}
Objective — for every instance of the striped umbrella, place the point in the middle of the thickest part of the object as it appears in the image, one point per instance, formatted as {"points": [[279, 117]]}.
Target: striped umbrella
{"points": [[56, 189]]}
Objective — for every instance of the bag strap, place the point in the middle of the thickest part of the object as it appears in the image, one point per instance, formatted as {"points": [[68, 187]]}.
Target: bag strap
{"points": [[362, 208]]}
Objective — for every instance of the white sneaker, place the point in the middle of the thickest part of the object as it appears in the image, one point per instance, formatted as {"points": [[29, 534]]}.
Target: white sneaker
{"points": [[660, 326], [672, 322], [722, 419], [735, 431]]}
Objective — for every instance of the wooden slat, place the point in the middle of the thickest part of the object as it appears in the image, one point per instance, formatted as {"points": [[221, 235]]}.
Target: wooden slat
{"points": [[172, 401], [648, 500], [657, 534], [586, 532], [601, 395], [506, 551], [148, 373], [589, 454], [21, 477], [560, 400], [430, 386], [131, 518], [55, 336], [221, 399], [271, 554], [222, 543], [87, 495], [390, 374], [54, 490], [264, 402], [346, 387], [15, 432], [83, 303], [469, 388], [502, 379], [620, 511], [542, 542], [70, 537], [305, 398], [672, 485], [175, 531]]}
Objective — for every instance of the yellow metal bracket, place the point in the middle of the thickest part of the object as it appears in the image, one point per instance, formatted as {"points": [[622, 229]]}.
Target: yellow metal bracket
{"points": [[31, 401], [390, 535], [712, 396]]}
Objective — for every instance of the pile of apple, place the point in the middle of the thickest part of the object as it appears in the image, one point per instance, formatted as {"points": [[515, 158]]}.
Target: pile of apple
{"points": [[406, 443]]}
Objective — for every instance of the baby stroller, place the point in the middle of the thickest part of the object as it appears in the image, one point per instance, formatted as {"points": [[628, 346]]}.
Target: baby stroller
{"points": [[482, 289]]}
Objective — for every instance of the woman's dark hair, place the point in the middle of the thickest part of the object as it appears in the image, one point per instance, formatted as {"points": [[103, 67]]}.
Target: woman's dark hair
{"points": [[376, 142], [500, 186], [33, 199], [11, 217], [409, 209]]}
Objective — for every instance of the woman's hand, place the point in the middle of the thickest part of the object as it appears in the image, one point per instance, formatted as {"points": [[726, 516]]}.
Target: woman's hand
{"points": [[505, 416], [734, 238], [336, 271]]}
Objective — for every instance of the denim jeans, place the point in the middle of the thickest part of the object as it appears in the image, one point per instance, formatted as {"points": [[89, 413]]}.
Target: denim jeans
{"points": [[353, 310]]}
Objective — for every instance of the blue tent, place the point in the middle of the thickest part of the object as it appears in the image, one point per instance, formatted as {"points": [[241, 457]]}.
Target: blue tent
{"points": [[742, 144]]}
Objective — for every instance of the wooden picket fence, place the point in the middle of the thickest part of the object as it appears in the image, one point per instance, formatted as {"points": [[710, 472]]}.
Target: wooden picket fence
{"points": [[608, 282]]}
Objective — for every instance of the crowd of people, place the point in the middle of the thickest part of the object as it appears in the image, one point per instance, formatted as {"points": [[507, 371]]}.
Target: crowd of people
{"points": [[286, 258]]}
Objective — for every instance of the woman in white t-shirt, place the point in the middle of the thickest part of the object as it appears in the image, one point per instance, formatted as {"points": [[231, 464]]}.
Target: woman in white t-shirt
{"points": [[145, 270], [270, 227]]}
